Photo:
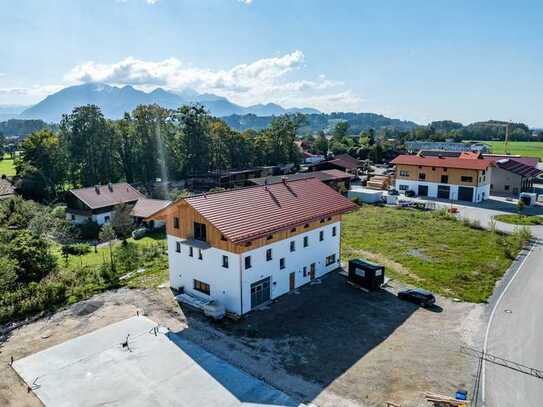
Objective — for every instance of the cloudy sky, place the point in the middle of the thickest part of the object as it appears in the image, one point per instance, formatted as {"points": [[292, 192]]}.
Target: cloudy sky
{"points": [[418, 60]]}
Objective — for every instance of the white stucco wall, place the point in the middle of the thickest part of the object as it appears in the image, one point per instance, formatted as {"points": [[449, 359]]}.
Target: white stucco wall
{"points": [[100, 218], [76, 218], [479, 194], [225, 283]]}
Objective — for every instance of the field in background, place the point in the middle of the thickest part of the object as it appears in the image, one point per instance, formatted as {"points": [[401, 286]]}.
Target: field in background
{"points": [[430, 249], [529, 148], [7, 166]]}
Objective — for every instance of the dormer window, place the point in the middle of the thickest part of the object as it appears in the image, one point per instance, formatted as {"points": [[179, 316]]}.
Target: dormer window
{"points": [[200, 232]]}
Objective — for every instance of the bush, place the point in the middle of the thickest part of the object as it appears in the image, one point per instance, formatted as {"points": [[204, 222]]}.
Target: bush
{"points": [[356, 200], [89, 230]]}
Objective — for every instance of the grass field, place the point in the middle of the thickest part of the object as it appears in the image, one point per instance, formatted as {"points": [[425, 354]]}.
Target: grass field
{"points": [[7, 166], [430, 250], [529, 148], [520, 219]]}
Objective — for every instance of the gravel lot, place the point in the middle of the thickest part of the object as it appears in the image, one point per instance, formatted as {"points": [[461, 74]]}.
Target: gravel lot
{"points": [[327, 343]]}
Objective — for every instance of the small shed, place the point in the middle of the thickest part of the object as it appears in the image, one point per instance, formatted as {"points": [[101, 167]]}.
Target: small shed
{"points": [[366, 274]]}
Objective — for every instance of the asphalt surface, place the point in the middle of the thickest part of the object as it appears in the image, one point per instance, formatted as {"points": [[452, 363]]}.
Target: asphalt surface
{"points": [[515, 330]]}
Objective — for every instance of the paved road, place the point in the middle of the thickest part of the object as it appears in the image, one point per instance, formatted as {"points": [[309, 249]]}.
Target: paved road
{"points": [[516, 325]]}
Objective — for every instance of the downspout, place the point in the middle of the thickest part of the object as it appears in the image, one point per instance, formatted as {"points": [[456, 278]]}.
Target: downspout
{"points": [[240, 286]]}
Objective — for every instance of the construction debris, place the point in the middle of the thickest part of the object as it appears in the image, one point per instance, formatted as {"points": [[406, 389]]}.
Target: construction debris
{"points": [[445, 401]]}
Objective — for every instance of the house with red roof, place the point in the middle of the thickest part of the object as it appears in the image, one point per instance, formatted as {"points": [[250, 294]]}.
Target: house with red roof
{"points": [[463, 178], [245, 247]]}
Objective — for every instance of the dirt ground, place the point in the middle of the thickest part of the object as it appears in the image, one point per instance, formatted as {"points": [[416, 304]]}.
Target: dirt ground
{"points": [[327, 343]]}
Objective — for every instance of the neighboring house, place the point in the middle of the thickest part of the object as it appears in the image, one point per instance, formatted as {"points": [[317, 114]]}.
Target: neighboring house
{"points": [[418, 145], [245, 247], [531, 161], [510, 177], [7, 190], [97, 203], [339, 180], [464, 178], [144, 208], [342, 162]]}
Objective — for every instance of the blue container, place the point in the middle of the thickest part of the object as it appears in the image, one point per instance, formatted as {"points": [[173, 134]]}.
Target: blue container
{"points": [[461, 395]]}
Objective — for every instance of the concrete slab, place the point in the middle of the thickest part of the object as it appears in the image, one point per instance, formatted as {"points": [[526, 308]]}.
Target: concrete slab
{"points": [[157, 370]]}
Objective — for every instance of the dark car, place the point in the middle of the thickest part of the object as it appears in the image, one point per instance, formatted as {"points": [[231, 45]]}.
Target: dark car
{"points": [[418, 296], [410, 194]]}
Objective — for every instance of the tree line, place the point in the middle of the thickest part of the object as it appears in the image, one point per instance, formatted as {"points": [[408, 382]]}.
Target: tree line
{"points": [[147, 144]]}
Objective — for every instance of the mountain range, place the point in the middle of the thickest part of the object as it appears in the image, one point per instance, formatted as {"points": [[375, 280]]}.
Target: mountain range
{"points": [[115, 101]]}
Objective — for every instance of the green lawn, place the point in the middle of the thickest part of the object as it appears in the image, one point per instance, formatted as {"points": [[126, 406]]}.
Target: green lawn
{"points": [[520, 219], [7, 166], [430, 250], [529, 148]]}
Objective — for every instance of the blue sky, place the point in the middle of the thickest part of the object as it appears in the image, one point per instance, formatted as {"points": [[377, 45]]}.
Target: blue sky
{"points": [[419, 60]]}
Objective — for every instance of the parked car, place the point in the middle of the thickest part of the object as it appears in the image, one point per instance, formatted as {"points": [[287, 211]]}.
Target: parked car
{"points": [[139, 233], [410, 194], [393, 192], [418, 296]]}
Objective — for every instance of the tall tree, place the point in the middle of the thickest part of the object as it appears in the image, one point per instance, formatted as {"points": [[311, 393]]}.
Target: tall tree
{"points": [[41, 165], [340, 131], [320, 146], [89, 140]]}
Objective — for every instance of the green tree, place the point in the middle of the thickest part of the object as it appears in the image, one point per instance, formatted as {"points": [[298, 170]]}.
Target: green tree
{"points": [[41, 166], [320, 146], [189, 143], [107, 234], [121, 221], [340, 131], [90, 144]]}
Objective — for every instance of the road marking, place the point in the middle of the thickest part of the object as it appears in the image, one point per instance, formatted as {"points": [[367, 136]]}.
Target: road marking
{"points": [[492, 317]]}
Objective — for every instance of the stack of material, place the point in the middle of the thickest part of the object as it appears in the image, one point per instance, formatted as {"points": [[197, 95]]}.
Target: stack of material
{"points": [[445, 401], [380, 182]]}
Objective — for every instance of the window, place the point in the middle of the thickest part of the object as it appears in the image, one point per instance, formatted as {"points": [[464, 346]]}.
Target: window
{"points": [[223, 238], [506, 187], [321, 235], [422, 176], [404, 187], [292, 246], [404, 174], [202, 287], [106, 219], [73, 216], [484, 172], [176, 222], [306, 225], [305, 271], [334, 232], [178, 247], [292, 230], [329, 219], [444, 179], [282, 263], [322, 220], [464, 178], [200, 231], [444, 169], [248, 244], [269, 237], [268, 254], [306, 241], [247, 262], [433, 168], [330, 259], [191, 251], [225, 261], [200, 257]]}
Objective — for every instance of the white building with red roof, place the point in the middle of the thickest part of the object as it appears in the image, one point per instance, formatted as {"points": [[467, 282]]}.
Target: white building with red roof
{"points": [[464, 178], [245, 247]]}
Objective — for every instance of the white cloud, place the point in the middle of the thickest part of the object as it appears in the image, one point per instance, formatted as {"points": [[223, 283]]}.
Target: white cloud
{"points": [[248, 2], [264, 80]]}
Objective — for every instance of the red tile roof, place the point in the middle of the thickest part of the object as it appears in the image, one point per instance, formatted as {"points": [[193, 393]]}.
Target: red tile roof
{"points": [[146, 207], [102, 196], [345, 161], [443, 162], [249, 213]]}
